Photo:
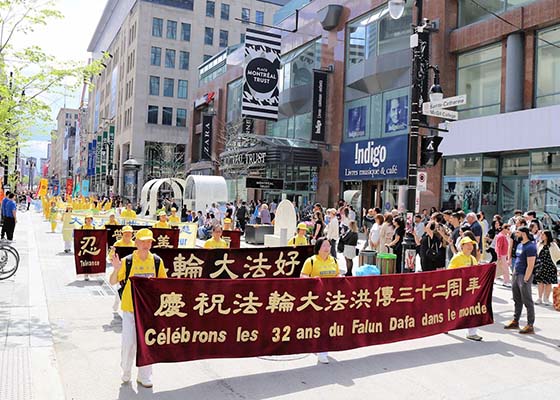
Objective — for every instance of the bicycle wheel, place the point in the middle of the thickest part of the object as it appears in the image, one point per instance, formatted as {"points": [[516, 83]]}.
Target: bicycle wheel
{"points": [[9, 262], [4, 245]]}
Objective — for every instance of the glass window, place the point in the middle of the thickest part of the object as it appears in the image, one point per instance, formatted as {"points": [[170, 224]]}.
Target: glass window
{"points": [[184, 57], [209, 36], [259, 17], [298, 65], [544, 196], [167, 116], [490, 166], [223, 38], [515, 165], [461, 193], [171, 29], [545, 162], [302, 126], [187, 4], [157, 27], [181, 119], [210, 7], [245, 15], [185, 31], [377, 33], [182, 89], [470, 12], [224, 14], [168, 85], [154, 85], [234, 96], [479, 76], [547, 86], [206, 57], [463, 166], [169, 58], [155, 56], [153, 114]]}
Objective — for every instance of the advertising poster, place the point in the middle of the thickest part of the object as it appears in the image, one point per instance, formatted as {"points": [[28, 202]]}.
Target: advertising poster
{"points": [[396, 115], [356, 122]]}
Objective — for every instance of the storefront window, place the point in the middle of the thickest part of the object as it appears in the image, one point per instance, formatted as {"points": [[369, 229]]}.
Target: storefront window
{"points": [[548, 67], [296, 127], [461, 193], [490, 166], [479, 75], [544, 195], [545, 162], [463, 166], [377, 33], [515, 165]]}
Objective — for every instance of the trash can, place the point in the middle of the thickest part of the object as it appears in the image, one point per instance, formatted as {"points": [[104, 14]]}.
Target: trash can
{"points": [[386, 262], [367, 257]]}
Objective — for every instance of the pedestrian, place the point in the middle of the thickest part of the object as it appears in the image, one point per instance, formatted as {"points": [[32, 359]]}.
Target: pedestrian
{"points": [[375, 232], [349, 241], [321, 265], [10, 217], [299, 239], [368, 219], [67, 229], [464, 258], [318, 227], [475, 228], [140, 262], [432, 253], [216, 241], [184, 214], [4, 202], [386, 234], [241, 215], [265, 215], [546, 273], [503, 255], [332, 231], [396, 242], [526, 254]]}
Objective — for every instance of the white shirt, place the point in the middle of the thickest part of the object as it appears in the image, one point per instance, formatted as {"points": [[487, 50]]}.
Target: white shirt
{"points": [[374, 233], [332, 229]]}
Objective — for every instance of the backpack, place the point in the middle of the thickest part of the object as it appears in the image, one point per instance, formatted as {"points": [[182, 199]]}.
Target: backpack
{"points": [[128, 265]]}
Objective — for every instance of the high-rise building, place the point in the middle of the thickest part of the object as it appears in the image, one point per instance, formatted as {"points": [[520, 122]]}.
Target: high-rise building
{"points": [[139, 107], [61, 147]]}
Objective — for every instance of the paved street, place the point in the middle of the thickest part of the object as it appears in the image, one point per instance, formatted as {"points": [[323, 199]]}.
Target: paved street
{"points": [[59, 339]]}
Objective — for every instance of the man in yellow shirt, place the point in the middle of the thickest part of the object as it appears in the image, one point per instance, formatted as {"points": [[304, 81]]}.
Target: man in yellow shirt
{"points": [[129, 214], [174, 219], [464, 258], [162, 223], [216, 241], [299, 239], [125, 241], [140, 263]]}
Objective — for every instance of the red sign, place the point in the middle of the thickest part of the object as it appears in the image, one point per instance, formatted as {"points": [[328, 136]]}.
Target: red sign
{"points": [[189, 319], [264, 262], [90, 251], [165, 238], [69, 186]]}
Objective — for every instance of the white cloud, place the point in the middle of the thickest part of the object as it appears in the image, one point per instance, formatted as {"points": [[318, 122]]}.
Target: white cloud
{"points": [[35, 148]]}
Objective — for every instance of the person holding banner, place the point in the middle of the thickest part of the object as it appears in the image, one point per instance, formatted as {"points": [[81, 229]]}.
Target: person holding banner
{"points": [[162, 223], [174, 219], [299, 239], [67, 229], [321, 265], [88, 225], [125, 241], [143, 263], [53, 216], [216, 241], [129, 214], [112, 219]]}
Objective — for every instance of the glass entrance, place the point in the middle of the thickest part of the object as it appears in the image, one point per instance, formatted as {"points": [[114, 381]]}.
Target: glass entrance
{"points": [[514, 195]]}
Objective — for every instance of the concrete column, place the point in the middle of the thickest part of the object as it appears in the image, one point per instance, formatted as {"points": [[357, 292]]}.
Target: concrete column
{"points": [[514, 72]]}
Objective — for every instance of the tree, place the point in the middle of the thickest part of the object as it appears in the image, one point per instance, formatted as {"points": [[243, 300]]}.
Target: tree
{"points": [[27, 74]]}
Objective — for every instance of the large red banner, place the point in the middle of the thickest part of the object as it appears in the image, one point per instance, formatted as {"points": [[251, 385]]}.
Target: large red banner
{"points": [[189, 319], [165, 238], [90, 251], [263, 262]]}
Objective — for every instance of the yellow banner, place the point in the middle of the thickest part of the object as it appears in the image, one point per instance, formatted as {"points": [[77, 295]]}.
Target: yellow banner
{"points": [[43, 187]]}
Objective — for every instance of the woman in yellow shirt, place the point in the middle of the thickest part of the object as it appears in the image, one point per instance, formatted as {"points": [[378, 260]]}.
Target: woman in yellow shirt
{"points": [[88, 222], [464, 258], [174, 219], [321, 265], [162, 223], [299, 239], [216, 241]]}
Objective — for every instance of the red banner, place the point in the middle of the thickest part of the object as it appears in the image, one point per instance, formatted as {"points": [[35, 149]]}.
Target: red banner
{"points": [[69, 186], [90, 251], [183, 319], [165, 238], [263, 262]]}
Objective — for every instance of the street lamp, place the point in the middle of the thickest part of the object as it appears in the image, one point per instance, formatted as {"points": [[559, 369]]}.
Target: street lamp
{"points": [[396, 8]]}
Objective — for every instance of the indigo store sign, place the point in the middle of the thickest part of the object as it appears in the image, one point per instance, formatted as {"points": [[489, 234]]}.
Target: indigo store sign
{"points": [[373, 159]]}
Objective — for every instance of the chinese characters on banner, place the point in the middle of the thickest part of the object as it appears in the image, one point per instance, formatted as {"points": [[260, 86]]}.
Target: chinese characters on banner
{"points": [[271, 262], [184, 319], [165, 238], [90, 251]]}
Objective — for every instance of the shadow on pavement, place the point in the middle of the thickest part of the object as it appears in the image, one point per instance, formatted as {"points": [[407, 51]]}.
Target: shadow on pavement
{"points": [[90, 283], [344, 373], [115, 325]]}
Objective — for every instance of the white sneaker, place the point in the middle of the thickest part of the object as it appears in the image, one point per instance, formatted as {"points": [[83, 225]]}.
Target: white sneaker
{"points": [[126, 377], [322, 358], [147, 383], [547, 303], [538, 301]]}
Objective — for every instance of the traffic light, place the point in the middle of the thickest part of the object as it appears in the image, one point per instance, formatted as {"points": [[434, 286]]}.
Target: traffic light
{"points": [[429, 154]]}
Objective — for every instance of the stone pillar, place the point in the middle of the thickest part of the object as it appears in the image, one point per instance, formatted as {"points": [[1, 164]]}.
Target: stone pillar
{"points": [[514, 72]]}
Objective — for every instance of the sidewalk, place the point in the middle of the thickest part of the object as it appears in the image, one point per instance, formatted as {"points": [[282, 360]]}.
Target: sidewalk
{"points": [[27, 357]]}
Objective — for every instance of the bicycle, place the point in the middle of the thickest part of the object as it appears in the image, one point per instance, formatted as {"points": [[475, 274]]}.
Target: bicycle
{"points": [[9, 260]]}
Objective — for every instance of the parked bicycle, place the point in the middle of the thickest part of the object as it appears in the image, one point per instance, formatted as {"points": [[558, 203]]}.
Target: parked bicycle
{"points": [[9, 260]]}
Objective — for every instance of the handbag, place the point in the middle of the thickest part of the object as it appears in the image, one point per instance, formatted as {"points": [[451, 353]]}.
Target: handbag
{"points": [[431, 252]]}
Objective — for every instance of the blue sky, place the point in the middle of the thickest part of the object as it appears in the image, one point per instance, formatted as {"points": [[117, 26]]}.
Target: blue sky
{"points": [[66, 39]]}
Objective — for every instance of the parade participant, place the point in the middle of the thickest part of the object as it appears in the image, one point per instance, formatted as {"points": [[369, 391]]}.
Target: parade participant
{"points": [[140, 263], [350, 240], [546, 273], [162, 223], [216, 241], [299, 239], [88, 222], [67, 229], [464, 258], [129, 214], [124, 241], [174, 219], [53, 214], [112, 219], [321, 265], [526, 254]]}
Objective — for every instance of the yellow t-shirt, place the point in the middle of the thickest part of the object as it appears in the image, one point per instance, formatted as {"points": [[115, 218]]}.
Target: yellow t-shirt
{"points": [[215, 244], [121, 243], [297, 241], [162, 225], [139, 268], [128, 214], [460, 260], [88, 227], [321, 268], [174, 219]]}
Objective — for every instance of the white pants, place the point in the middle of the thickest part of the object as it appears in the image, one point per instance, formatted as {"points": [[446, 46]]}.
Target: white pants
{"points": [[68, 246], [128, 348], [472, 331]]}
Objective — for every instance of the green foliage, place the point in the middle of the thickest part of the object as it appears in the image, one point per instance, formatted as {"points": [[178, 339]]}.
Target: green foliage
{"points": [[28, 74]]}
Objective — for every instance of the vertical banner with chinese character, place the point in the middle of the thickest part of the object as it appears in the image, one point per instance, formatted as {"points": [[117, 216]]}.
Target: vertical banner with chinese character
{"points": [[262, 66], [190, 319], [206, 152], [69, 186], [319, 106], [43, 187], [165, 238], [85, 187], [90, 251]]}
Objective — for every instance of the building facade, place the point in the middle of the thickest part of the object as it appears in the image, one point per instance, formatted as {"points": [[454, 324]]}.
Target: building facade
{"points": [[140, 105], [61, 147]]}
